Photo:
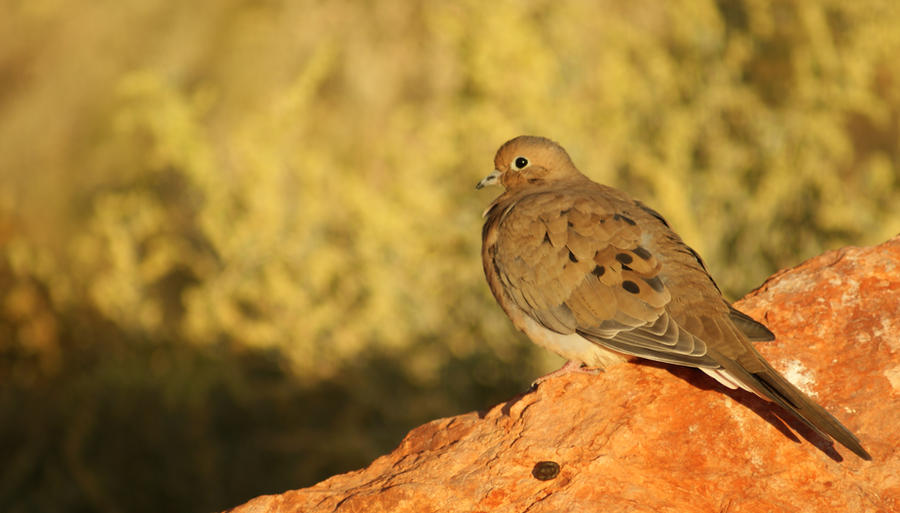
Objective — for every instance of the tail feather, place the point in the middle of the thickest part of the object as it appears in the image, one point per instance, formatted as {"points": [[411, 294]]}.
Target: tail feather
{"points": [[768, 383]]}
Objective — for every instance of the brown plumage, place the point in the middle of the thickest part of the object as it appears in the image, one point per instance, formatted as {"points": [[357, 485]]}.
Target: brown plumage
{"points": [[593, 275]]}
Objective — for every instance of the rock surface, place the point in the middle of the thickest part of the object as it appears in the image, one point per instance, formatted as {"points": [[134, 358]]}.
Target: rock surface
{"points": [[646, 437]]}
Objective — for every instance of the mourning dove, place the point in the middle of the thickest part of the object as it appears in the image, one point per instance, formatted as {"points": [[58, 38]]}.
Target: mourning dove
{"points": [[596, 276]]}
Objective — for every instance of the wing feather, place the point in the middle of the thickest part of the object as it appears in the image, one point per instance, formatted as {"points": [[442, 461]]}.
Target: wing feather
{"points": [[577, 265]]}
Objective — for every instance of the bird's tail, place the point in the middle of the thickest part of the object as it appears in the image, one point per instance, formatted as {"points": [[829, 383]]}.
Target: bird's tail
{"points": [[768, 383]]}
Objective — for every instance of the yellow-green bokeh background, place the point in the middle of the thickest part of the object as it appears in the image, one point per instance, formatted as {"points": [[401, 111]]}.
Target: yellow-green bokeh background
{"points": [[239, 240]]}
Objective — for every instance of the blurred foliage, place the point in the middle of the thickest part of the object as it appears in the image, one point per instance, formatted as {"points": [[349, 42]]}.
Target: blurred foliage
{"points": [[239, 244]]}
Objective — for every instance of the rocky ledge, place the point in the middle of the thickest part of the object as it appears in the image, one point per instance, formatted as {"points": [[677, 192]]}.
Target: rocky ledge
{"points": [[655, 438]]}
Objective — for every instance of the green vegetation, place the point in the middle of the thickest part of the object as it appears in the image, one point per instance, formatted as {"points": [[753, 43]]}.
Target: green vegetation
{"points": [[239, 241]]}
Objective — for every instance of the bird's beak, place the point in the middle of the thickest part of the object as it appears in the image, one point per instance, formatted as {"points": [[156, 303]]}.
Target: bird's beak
{"points": [[491, 179]]}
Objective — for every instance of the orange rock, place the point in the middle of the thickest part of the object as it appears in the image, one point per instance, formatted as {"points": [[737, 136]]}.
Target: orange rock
{"points": [[656, 438]]}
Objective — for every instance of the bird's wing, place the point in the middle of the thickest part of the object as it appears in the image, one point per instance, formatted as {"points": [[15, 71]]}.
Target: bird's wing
{"points": [[575, 264]]}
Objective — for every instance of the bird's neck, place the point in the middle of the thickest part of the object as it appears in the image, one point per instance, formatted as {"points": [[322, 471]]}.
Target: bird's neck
{"points": [[516, 192], [533, 185]]}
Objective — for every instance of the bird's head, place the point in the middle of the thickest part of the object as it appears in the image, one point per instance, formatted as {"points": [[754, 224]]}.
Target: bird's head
{"points": [[529, 160]]}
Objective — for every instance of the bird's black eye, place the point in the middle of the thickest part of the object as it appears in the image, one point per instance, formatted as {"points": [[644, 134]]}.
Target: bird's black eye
{"points": [[520, 162]]}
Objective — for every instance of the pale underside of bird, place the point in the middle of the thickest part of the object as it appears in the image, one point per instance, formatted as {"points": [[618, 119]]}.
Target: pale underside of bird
{"points": [[596, 276]]}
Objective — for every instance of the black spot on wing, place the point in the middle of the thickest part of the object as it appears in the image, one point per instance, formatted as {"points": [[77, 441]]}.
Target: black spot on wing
{"points": [[652, 212], [624, 258], [655, 283], [641, 252], [620, 217], [572, 257], [598, 271], [631, 286]]}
